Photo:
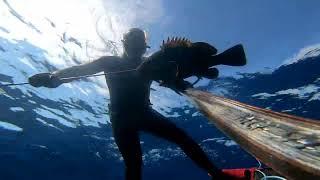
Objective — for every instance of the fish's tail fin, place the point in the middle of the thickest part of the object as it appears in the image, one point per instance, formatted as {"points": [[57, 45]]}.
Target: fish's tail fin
{"points": [[234, 56]]}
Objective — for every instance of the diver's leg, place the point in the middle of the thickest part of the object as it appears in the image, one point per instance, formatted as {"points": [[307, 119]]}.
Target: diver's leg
{"points": [[128, 142], [160, 126]]}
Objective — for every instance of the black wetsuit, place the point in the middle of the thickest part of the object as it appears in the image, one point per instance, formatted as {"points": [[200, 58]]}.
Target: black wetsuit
{"points": [[131, 113]]}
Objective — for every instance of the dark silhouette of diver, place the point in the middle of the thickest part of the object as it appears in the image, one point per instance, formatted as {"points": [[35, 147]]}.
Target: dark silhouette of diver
{"points": [[129, 107]]}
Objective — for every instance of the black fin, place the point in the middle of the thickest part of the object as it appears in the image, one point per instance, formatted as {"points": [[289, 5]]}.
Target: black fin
{"points": [[235, 56], [211, 73]]}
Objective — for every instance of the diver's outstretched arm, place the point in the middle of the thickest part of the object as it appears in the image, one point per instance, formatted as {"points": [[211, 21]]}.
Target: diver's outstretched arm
{"points": [[106, 64], [53, 80]]}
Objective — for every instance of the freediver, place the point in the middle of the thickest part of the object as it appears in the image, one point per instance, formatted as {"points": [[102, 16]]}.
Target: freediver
{"points": [[130, 108]]}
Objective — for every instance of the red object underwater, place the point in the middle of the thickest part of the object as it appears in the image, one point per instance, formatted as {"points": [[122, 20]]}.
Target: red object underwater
{"points": [[240, 174]]}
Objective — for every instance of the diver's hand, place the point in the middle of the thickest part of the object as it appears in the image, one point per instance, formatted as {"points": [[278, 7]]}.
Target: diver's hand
{"points": [[182, 85], [178, 86], [44, 80]]}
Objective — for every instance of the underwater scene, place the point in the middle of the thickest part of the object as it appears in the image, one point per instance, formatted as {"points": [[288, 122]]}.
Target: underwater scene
{"points": [[159, 89]]}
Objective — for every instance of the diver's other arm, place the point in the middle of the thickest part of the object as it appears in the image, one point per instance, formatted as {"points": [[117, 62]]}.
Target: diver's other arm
{"points": [[53, 80]]}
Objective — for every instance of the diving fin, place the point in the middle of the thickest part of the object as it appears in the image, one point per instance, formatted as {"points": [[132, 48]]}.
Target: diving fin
{"points": [[234, 56]]}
